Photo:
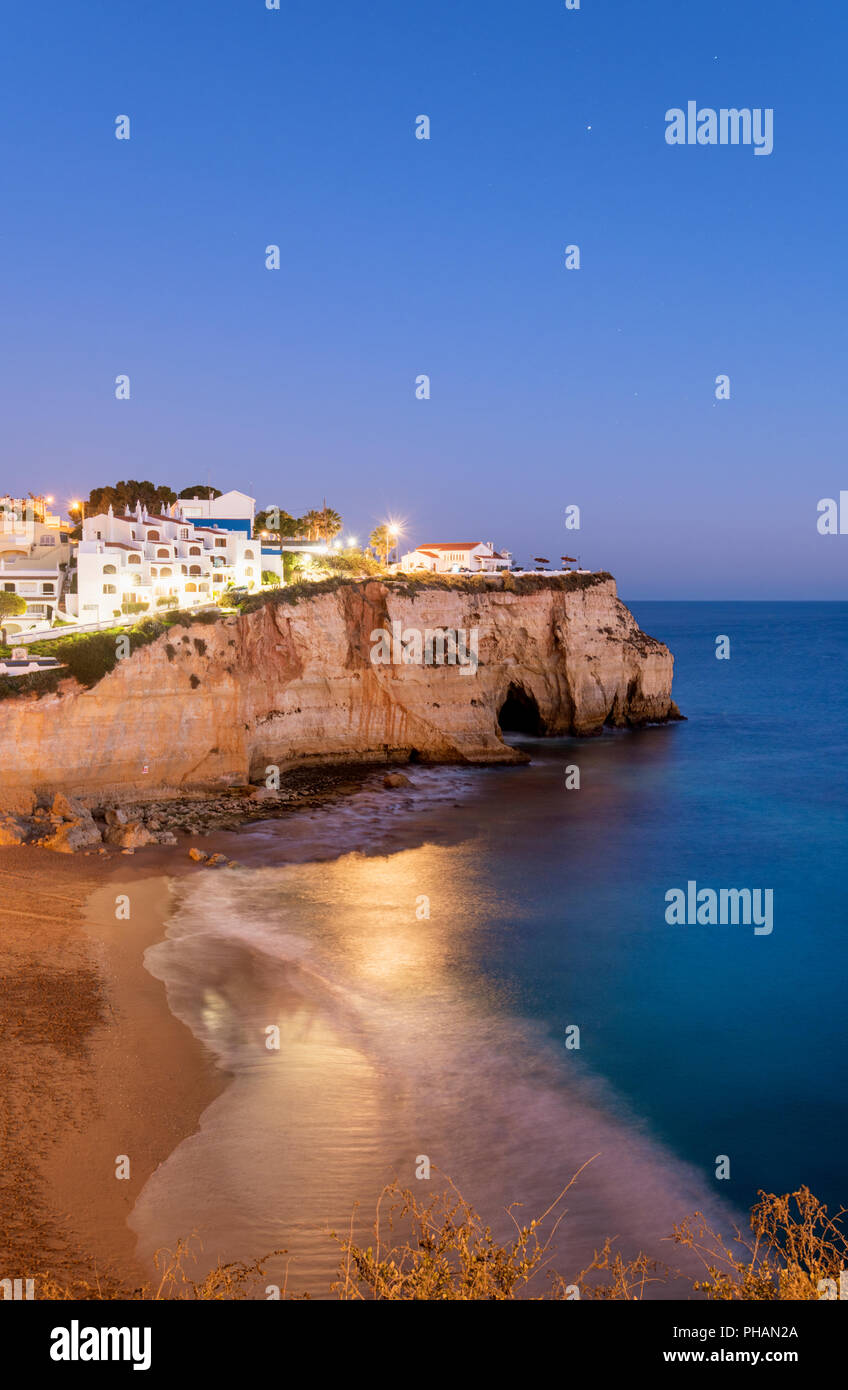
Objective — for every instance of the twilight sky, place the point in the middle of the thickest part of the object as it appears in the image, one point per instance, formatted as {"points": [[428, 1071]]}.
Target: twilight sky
{"points": [[402, 256]]}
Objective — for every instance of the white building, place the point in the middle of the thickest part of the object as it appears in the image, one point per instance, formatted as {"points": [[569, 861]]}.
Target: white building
{"points": [[35, 554], [141, 562], [456, 557], [232, 510]]}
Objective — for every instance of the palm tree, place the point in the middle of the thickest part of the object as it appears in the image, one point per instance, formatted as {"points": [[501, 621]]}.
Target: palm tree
{"points": [[330, 523], [383, 538], [311, 524]]}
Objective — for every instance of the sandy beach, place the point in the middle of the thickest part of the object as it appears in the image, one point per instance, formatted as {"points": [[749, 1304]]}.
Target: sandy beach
{"points": [[88, 1040]]}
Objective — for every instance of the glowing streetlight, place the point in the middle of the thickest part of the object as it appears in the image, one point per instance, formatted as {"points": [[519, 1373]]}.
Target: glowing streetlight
{"points": [[393, 531], [351, 540]]}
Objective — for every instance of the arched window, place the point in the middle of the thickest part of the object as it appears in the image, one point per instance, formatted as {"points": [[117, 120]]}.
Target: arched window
{"points": [[195, 569], [195, 550], [110, 569], [109, 589], [163, 554], [248, 555], [191, 588], [133, 559], [248, 571], [153, 536], [164, 572]]}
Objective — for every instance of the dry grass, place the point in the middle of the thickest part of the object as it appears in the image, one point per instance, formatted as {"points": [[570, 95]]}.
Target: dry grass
{"points": [[441, 1250]]}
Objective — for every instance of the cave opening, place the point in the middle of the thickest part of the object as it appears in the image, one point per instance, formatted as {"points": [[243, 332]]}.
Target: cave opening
{"points": [[519, 713]]}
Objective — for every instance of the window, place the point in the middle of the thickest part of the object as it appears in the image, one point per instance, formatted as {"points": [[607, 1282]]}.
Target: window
{"points": [[183, 533], [109, 589], [110, 569], [248, 555], [47, 540], [133, 559], [153, 536], [195, 550], [191, 588], [195, 569], [47, 589], [248, 571], [165, 573], [220, 542], [163, 554]]}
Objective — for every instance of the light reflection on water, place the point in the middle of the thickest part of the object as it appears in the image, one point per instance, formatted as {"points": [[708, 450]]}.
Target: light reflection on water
{"points": [[394, 1042]]}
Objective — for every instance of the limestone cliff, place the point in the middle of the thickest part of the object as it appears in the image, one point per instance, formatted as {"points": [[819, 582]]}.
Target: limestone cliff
{"points": [[295, 680]]}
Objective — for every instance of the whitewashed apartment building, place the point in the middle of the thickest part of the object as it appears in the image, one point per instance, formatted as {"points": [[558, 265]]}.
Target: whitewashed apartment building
{"points": [[166, 559], [35, 555]]}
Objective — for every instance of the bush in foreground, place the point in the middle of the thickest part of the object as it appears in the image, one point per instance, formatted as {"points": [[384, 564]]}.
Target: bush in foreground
{"points": [[441, 1249]]}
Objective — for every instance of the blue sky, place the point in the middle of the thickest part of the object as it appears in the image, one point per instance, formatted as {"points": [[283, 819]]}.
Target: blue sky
{"points": [[399, 257]]}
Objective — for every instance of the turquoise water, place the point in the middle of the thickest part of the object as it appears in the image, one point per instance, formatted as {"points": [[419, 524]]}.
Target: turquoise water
{"points": [[445, 1035], [725, 1042]]}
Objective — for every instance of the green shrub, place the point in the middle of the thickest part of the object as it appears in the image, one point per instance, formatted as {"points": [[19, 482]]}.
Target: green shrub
{"points": [[11, 605]]}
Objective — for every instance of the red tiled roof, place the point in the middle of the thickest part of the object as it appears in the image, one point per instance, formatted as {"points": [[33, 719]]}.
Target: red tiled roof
{"points": [[122, 545], [450, 545]]}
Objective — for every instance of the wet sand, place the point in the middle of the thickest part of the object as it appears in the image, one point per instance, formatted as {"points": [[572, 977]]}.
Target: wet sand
{"points": [[94, 1065]]}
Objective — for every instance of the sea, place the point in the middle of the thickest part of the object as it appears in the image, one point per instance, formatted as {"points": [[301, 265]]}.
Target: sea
{"points": [[473, 979]]}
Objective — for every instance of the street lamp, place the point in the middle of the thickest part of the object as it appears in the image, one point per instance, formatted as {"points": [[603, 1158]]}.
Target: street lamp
{"points": [[394, 530]]}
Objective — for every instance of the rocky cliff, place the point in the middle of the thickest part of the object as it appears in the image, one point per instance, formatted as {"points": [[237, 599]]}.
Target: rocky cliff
{"points": [[296, 680]]}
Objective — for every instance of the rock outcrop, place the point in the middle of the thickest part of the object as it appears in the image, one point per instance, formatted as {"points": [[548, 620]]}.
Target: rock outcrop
{"points": [[294, 681]]}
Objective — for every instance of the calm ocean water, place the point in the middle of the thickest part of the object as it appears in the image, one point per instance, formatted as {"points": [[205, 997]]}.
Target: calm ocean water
{"points": [[402, 1035]]}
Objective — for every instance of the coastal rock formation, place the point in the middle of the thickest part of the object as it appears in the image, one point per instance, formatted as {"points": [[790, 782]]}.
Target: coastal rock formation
{"points": [[295, 681]]}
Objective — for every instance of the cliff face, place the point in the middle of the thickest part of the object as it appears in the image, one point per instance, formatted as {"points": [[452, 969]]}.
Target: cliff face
{"points": [[296, 681]]}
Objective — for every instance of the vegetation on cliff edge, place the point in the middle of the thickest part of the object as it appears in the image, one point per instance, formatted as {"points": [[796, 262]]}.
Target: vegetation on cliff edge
{"points": [[89, 656]]}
